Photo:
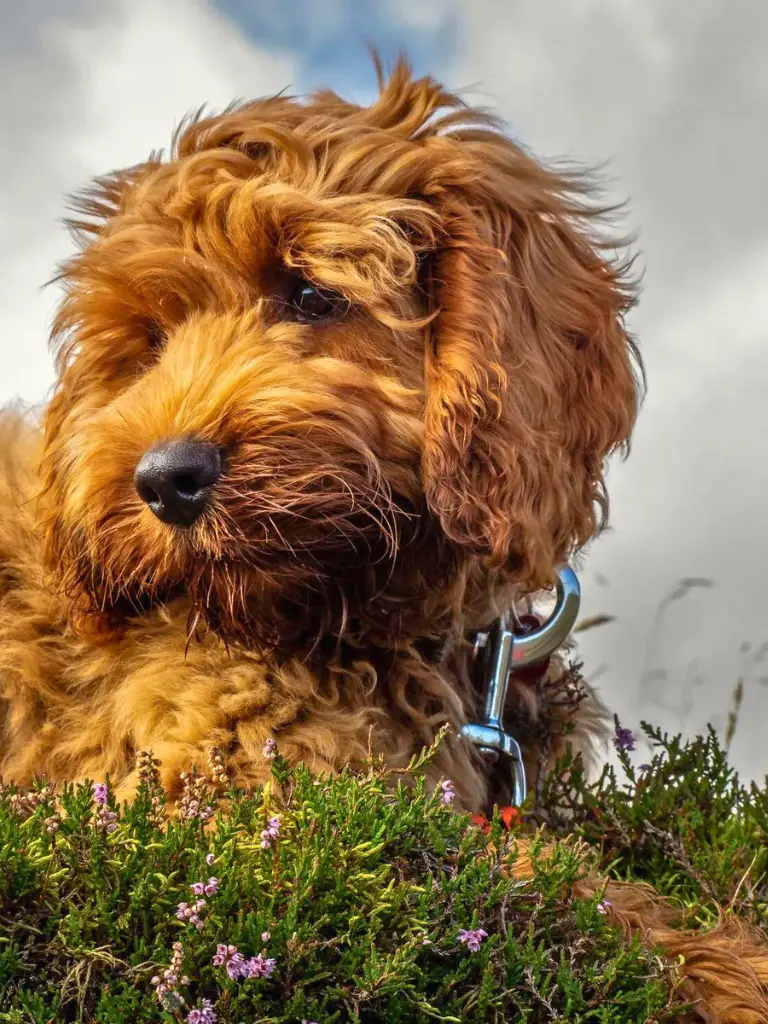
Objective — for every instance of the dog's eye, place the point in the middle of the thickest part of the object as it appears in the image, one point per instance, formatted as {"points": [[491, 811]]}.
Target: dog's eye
{"points": [[309, 303]]}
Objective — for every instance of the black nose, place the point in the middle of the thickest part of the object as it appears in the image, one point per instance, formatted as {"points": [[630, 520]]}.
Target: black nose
{"points": [[176, 478]]}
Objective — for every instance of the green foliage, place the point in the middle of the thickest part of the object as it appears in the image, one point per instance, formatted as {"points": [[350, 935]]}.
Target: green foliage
{"points": [[360, 896], [684, 823]]}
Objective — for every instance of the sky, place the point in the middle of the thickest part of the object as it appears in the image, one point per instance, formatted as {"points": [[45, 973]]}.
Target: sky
{"points": [[671, 98]]}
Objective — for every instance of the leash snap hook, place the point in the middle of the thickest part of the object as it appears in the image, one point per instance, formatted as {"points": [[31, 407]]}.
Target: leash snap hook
{"points": [[505, 653]]}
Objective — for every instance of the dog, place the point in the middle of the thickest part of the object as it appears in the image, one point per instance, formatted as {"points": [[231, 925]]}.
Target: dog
{"points": [[336, 386]]}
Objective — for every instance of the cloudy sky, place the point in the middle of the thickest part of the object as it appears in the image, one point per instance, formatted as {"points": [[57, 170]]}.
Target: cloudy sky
{"points": [[673, 96]]}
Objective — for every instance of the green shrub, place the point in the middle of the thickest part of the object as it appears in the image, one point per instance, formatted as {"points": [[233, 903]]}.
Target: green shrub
{"points": [[359, 905]]}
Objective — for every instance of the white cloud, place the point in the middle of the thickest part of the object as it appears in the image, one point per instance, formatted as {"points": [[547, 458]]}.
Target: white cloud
{"points": [[89, 87]]}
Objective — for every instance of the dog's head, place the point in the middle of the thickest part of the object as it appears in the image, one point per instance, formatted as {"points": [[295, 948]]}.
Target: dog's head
{"points": [[325, 358]]}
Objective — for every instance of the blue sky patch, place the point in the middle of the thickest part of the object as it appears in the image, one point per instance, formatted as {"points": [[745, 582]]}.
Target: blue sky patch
{"points": [[330, 39]]}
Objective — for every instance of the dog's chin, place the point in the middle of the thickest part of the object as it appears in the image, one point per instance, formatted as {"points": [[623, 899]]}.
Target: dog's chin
{"points": [[293, 607], [266, 600]]}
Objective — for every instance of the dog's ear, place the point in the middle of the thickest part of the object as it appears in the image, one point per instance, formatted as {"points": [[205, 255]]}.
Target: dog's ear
{"points": [[530, 373]]}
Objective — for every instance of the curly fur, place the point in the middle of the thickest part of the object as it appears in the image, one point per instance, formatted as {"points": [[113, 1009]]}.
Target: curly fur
{"points": [[394, 475]]}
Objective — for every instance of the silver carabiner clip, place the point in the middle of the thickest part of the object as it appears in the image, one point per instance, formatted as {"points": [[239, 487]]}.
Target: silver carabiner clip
{"points": [[505, 652]]}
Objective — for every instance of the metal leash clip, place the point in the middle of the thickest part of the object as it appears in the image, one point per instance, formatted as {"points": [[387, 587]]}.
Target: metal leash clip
{"points": [[506, 652]]}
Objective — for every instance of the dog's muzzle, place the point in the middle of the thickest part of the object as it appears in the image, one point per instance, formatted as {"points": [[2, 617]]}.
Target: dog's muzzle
{"points": [[505, 653]]}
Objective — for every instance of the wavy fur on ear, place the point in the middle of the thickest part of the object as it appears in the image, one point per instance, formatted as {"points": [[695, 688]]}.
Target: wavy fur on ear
{"points": [[532, 377]]}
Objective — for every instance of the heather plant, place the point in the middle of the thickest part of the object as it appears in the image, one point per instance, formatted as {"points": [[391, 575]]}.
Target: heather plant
{"points": [[360, 898]]}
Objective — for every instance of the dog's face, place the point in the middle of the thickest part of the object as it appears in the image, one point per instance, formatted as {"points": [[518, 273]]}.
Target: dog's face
{"points": [[321, 360]]}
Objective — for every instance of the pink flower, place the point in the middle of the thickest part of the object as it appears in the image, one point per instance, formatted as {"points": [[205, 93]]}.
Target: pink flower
{"points": [[208, 888], [205, 1015], [209, 859], [472, 938], [272, 831], [185, 912], [270, 749], [231, 959], [602, 908], [100, 792], [105, 819], [448, 794], [259, 967], [265, 936]]}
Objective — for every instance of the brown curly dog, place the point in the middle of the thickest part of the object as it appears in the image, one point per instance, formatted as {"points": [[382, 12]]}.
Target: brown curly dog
{"points": [[335, 385]]}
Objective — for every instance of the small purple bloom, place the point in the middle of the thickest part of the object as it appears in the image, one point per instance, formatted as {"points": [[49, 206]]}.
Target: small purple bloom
{"points": [[100, 792], [624, 740], [208, 888], [105, 819], [209, 859], [191, 914], [448, 794], [265, 936], [270, 749], [205, 1015], [231, 959], [272, 831], [472, 938], [259, 967], [602, 908]]}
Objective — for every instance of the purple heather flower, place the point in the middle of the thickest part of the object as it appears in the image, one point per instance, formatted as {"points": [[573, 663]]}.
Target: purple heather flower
{"points": [[272, 831], [209, 887], [472, 938], [165, 988], [209, 859], [265, 936], [644, 767], [602, 908], [100, 792], [259, 967], [270, 749], [448, 795], [185, 912], [205, 1015], [624, 739], [230, 958], [105, 819]]}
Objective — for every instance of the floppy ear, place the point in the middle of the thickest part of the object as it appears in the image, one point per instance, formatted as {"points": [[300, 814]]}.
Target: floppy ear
{"points": [[529, 370]]}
